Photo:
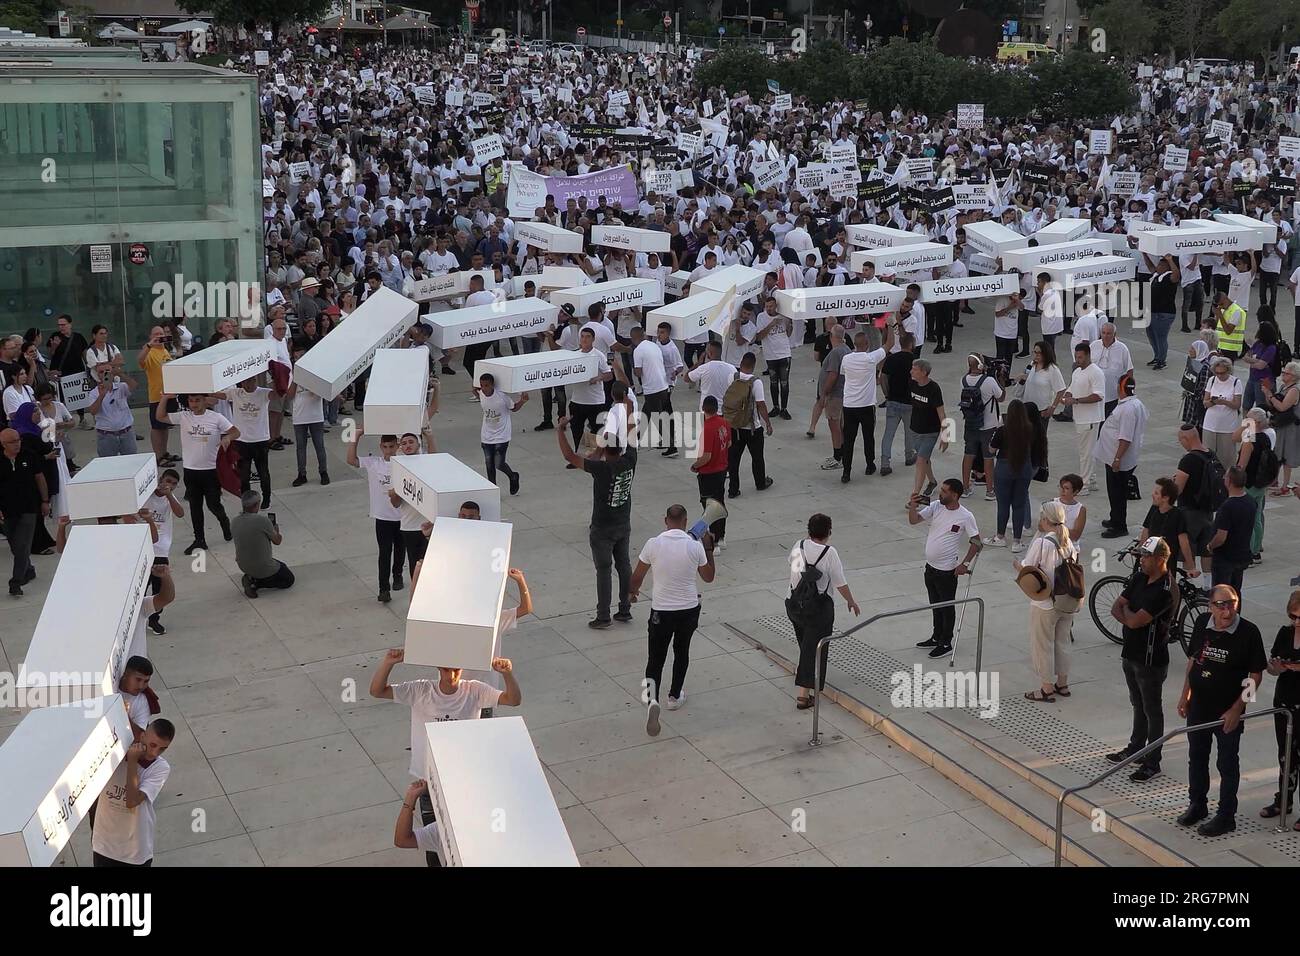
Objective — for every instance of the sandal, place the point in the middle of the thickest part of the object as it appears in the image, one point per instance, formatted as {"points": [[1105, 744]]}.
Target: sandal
{"points": [[1270, 811], [1064, 691], [805, 702], [1038, 697], [1281, 492]]}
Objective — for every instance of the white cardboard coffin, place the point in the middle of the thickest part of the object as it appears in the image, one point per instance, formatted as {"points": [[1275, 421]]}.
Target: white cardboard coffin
{"points": [[83, 636], [437, 485], [971, 287], [451, 285], [53, 767], [1198, 236], [1035, 257], [454, 612], [332, 363], [216, 367], [993, 238], [1063, 230], [486, 323], [547, 281], [689, 316], [1266, 231], [523, 373], [491, 798], [112, 486], [675, 284], [866, 298], [1136, 227], [913, 258], [746, 280], [879, 237], [397, 393], [616, 294], [547, 237], [625, 237], [1093, 271]]}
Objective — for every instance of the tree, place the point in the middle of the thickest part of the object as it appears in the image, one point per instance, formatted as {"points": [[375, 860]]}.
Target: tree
{"points": [[254, 13], [1253, 28], [1130, 26], [1081, 85], [25, 15], [1183, 24]]}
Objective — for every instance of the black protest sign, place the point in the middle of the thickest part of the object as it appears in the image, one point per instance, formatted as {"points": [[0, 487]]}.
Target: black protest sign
{"points": [[1127, 141], [1242, 187], [1037, 173], [1211, 143], [938, 200], [592, 130], [1282, 186], [632, 140]]}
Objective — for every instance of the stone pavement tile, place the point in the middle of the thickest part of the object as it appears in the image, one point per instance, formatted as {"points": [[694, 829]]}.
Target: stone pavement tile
{"points": [[618, 855], [235, 851], [20, 623], [743, 840], [243, 729], [626, 652], [585, 831], [321, 840], [590, 736], [563, 795], [664, 760], [219, 697], [536, 640], [705, 674], [944, 840], [191, 822], [892, 754], [312, 798], [1008, 834], [288, 762], [810, 771], [182, 656], [1011, 860], [565, 687], [386, 734], [672, 806], [840, 815], [391, 856], [944, 790], [349, 631], [802, 858]]}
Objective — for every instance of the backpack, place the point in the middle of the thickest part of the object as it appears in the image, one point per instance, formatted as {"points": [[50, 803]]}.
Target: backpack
{"points": [[1158, 633], [1067, 582], [1281, 357], [806, 593], [1266, 463], [738, 403], [1213, 493], [972, 402]]}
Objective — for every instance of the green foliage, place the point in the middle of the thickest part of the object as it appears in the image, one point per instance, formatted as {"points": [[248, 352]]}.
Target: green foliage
{"points": [[1253, 28], [263, 13], [1079, 86], [1130, 26], [25, 15]]}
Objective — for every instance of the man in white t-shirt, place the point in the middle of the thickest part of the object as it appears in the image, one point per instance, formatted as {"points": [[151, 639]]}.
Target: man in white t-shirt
{"points": [[386, 515], [713, 374], [740, 336], [203, 434], [676, 558], [1086, 396], [495, 433], [858, 370], [750, 435], [1115, 361], [133, 684], [124, 814], [773, 336], [951, 526], [162, 507], [308, 410], [250, 407]]}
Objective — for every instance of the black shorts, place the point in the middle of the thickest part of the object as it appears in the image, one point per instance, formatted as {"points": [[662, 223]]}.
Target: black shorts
{"points": [[154, 422]]}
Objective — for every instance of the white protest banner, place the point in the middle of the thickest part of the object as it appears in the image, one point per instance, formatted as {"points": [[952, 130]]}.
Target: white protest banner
{"points": [[1288, 147], [619, 98], [969, 287], [689, 143], [298, 172], [971, 196], [662, 181], [1222, 129], [970, 115], [483, 99], [426, 95], [279, 79], [261, 58], [921, 168], [1175, 159], [564, 94], [471, 59], [707, 107], [77, 391], [488, 148], [843, 182], [768, 174], [842, 155], [367, 79], [1146, 71], [1125, 183], [783, 103], [1100, 141], [812, 177], [454, 98], [716, 133]]}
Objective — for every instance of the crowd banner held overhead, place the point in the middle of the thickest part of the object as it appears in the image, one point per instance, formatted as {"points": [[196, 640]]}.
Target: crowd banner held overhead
{"points": [[970, 115]]}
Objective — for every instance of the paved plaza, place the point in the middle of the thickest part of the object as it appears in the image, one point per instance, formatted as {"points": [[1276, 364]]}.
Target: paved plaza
{"points": [[281, 758]]}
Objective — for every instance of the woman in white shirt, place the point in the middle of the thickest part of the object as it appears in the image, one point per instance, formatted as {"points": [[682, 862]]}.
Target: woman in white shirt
{"points": [[1222, 399], [1044, 385], [17, 394], [816, 619], [1049, 628]]}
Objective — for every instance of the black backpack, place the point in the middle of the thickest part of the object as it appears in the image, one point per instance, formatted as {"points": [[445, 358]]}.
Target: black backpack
{"points": [[1281, 357], [1266, 462], [806, 594], [1212, 492], [972, 401]]}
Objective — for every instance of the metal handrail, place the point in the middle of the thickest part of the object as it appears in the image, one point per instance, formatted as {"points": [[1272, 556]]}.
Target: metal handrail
{"points": [[1286, 767], [821, 645]]}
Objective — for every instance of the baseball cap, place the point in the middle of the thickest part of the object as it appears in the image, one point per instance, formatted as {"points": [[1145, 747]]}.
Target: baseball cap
{"points": [[1156, 546]]}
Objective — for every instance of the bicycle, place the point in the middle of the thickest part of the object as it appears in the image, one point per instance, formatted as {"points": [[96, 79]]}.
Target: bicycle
{"points": [[1193, 602]]}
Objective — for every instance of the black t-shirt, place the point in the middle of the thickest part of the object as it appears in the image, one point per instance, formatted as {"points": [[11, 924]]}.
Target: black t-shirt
{"points": [[611, 491], [1140, 645], [1220, 663], [1169, 526], [1192, 465], [1287, 691], [1237, 517], [18, 492], [926, 402], [898, 376]]}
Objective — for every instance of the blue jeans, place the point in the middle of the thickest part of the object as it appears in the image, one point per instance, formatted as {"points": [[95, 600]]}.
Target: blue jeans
{"points": [[1012, 491], [494, 459], [896, 412], [1252, 396], [108, 445], [317, 432], [1198, 764], [1158, 334]]}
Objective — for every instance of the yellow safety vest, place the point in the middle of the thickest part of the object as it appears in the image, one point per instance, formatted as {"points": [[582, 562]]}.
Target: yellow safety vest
{"points": [[1234, 341]]}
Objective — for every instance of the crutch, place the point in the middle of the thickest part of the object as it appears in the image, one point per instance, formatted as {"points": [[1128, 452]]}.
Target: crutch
{"points": [[970, 574]]}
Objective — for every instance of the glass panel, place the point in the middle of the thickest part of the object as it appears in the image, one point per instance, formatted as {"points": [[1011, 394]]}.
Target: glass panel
{"points": [[174, 161], [193, 279]]}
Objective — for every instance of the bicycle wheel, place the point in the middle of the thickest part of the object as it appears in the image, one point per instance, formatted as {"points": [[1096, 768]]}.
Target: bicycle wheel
{"points": [[1101, 599], [1187, 618]]}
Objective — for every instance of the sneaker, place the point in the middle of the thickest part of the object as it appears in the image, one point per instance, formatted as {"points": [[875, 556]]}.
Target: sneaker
{"points": [[600, 623], [514, 483], [1220, 824], [196, 546], [1151, 363], [990, 496], [928, 642], [1143, 774], [1192, 816], [968, 492], [909, 461], [15, 591], [385, 596], [785, 416], [1115, 533], [809, 434], [885, 471], [767, 483], [720, 545], [324, 478], [1256, 559], [266, 502], [1159, 366], [250, 590], [448, 370], [300, 481], [870, 469], [652, 719], [623, 617], [929, 488], [1017, 547], [155, 625], [675, 703], [996, 541], [1119, 755], [544, 426], [733, 493], [398, 583], [669, 453], [475, 399], [941, 650], [1084, 492], [225, 530], [830, 464]]}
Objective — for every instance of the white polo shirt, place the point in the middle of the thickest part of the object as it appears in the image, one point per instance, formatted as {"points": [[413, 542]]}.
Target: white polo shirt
{"points": [[675, 559], [951, 530]]}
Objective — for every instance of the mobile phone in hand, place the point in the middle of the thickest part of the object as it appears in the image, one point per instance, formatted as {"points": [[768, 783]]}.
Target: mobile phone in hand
{"points": [[271, 515]]}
